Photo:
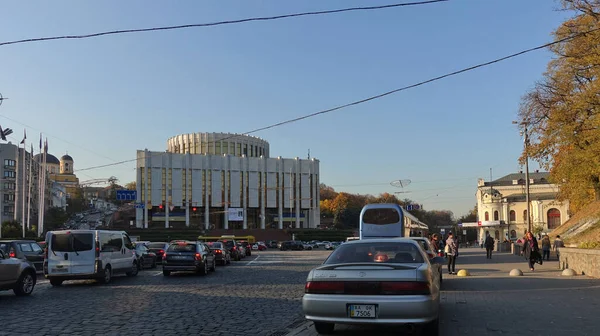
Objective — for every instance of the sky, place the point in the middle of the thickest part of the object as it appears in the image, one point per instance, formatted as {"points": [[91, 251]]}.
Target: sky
{"points": [[101, 99]]}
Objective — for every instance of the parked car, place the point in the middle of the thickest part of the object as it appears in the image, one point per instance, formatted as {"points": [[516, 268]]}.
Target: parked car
{"points": [[272, 244], [247, 247], [188, 256], [25, 249], [291, 245], [233, 249], [17, 275], [222, 254], [146, 258], [88, 254], [374, 281], [307, 246]]}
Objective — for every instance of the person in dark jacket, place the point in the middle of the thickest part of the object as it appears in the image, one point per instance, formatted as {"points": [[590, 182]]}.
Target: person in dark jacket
{"points": [[531, 251], [489, 245]]}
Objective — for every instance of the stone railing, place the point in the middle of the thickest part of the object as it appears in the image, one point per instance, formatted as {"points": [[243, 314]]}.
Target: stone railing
{"points": [[582, 261]]}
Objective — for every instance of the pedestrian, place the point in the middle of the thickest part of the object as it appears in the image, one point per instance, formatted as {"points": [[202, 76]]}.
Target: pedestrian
{"points": [[451, 251], [558, 243], [546, 247], [489, 246], [482, 242], [436, 243], [531, 251]]}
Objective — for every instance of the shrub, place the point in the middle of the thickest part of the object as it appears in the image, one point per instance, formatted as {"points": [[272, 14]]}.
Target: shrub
{"points": [[590, 245]]}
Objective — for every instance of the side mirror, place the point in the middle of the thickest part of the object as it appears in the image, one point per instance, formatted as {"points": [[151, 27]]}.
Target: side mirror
{"points": [[438, 260]]}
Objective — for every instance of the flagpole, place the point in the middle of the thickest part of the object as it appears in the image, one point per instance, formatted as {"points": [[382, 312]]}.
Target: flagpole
{"points": [[45, 176], [17, 186], [40, 199], [24, 188], [29, 192]]}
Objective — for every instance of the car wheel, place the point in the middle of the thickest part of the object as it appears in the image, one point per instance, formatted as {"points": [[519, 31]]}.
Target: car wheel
{"points": [[153, 264], [204, 270], [25, 284], [134, 270], [325, 328], [56, 282], [229, 260], [107, 275], [432, 328]]}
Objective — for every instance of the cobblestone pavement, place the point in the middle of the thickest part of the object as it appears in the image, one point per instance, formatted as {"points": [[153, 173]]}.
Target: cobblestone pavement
{"points": [[259, 295], [489, 302]]}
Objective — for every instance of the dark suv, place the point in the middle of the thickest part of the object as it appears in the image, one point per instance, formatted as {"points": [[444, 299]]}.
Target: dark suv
{"points": [[185, 256], [231, 245], [291, 245]]}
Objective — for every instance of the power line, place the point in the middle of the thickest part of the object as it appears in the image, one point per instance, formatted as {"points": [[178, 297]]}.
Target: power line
{"points": [[219, 23], [362, 101]]}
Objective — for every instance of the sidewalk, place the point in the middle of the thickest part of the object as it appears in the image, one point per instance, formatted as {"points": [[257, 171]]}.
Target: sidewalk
{"points": [[490, 302]]}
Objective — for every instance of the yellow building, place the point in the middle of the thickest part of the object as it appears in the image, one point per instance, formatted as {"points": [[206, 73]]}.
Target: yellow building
{"points": [[64, 174]]}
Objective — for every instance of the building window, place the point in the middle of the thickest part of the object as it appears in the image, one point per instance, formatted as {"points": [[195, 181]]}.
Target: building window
{"points": [[9, 197], [553, 218], [525, 215], [10, 174], [487, 216], [496, 216], [513, 234], [10, 186], [521, 181], [10, 163], [512, 216]]}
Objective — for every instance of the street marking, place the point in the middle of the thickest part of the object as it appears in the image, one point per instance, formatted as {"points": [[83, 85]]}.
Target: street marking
{"points": [[255, 259], [157, 274]]}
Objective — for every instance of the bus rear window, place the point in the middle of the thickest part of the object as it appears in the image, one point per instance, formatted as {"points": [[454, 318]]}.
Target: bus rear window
{"points": [[381, 216]]}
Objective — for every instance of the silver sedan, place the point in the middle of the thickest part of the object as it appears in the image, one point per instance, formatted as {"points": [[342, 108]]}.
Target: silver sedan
{"points": [[377, 282]]}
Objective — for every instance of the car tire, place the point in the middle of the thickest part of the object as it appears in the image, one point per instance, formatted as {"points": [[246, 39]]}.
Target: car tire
{"points": [[135, 269], [228, 260], [166, 273], [153, 264], [107, 276], [25, 284], [324, 328], [56, 282], [432, 328], [204, 269], [214, 266]]}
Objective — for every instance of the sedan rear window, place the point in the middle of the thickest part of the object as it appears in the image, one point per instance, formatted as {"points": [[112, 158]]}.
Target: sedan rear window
{"points": [[373, 252], [215, 245], [182, 248], [156, 245]]}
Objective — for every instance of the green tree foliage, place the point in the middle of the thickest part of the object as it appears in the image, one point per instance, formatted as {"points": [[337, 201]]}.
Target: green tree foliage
{"points": [[76, 203], [131, 186], [562, 112], [55, 218], [13, 229]]}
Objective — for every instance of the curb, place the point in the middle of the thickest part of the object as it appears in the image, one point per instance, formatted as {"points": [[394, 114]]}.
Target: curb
{"points": [[300, 330]]}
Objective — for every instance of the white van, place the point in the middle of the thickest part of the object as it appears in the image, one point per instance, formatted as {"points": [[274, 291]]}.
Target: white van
{"points": [[88, 254]]}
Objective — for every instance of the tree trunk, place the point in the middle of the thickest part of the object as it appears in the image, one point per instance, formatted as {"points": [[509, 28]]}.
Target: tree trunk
{"points": [[596, 186]]}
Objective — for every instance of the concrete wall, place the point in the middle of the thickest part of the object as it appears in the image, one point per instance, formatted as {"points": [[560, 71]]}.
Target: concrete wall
{"points": [[582, 261]]}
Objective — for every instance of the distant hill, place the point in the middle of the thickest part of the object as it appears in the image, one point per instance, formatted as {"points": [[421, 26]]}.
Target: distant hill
{"points": [[584, 227]]}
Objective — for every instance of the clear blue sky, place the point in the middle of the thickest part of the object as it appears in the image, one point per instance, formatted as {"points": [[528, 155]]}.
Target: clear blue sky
{"points": [[100, 99]]}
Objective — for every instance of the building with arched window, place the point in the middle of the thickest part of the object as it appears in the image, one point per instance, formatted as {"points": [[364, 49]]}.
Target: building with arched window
{"points": [[502, 206]]}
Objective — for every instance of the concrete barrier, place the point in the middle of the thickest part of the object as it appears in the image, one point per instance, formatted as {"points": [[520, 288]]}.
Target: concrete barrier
{"points": [[582, 261]]}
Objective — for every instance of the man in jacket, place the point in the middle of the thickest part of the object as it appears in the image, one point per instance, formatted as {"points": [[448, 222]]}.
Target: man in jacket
{"points": [[558, 243], [489, 246]]}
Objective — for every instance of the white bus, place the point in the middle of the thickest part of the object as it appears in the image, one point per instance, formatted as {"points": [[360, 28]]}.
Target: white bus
{"points": [[381, 221]]}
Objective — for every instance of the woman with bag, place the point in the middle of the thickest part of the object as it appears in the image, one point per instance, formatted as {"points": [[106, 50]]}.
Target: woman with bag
{"points": [[451, 251], [531, 250]]}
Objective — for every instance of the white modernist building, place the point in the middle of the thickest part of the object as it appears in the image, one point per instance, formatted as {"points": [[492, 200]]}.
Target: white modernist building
{"points": [[216, 185]]}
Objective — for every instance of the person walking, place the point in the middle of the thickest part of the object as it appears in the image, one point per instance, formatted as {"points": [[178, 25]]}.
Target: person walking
{"points": [[558, 243], [546, 247], [451, 251], [531, 251], [489, 246]]}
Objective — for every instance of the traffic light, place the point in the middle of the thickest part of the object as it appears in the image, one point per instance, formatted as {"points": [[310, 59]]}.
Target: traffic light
{"points": [[160, 207], [194, 209]]}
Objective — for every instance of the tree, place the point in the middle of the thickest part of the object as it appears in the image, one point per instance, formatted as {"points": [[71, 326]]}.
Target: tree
{"points": [[55, 218], [131, 186], [561, 114], [326, 192], [76, 202]]}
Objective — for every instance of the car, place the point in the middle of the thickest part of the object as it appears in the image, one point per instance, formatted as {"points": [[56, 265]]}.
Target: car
{"points": [[88, 254], [247, 247], [374, 282], [17, 275], [26, 250], [146, 258], [428, 249], [307, 246], [222, 254], [188, 256]]}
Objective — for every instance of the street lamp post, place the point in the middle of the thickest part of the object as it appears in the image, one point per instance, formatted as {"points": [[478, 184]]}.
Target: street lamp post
{"points": [[527, 196]]}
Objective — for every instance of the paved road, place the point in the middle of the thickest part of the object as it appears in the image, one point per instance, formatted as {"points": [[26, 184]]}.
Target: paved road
{"points": [[259, 295], [492, 303]]}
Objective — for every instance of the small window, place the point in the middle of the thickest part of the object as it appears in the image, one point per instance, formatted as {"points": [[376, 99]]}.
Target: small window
{"points": [[487, 216], [513, 216], [36, 247], [25, 247], [83, 241], [496, 216], [60, 242], [10, 174]]}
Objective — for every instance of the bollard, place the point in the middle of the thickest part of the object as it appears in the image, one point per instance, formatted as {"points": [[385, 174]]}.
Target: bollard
{"points": [[568, 272], [516, 272], [463, 273]]}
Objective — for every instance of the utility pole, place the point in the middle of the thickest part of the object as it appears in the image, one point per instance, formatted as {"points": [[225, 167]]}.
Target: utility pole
{"points": [[525, 124]]}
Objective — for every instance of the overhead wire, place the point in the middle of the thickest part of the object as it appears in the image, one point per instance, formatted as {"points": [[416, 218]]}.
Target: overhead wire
{"points": [[378, 96], [219, 23]]}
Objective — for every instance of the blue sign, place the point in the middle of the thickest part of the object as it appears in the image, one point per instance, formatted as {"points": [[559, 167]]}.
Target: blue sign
{"points": [[139, 205], [126, 195], [410, 207], [91, 205]]}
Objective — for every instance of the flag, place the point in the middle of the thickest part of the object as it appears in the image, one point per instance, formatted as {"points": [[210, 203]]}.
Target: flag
{"points": [[40, 142], [24, 137], [46, 146]]}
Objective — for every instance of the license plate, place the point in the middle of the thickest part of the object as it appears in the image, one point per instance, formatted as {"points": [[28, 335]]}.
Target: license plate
{"points": [[362, 311], [179, 257], [60, 270]]}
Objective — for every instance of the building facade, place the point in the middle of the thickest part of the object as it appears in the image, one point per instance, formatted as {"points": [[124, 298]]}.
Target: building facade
{"points": [[227, 191], [502, 207], [218, 144]]}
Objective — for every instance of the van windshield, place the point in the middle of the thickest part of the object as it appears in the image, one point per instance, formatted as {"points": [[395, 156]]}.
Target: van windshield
{"points": [[72, 242]]}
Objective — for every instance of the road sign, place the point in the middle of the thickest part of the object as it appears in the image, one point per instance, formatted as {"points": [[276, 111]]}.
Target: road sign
{"points": [[171, 207], [126, 195], [411, 207], [140, 206]]}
